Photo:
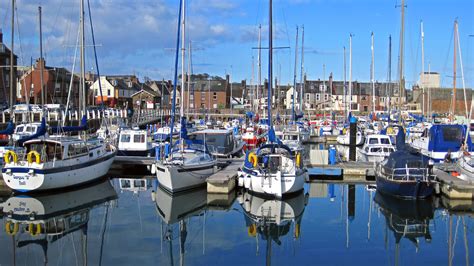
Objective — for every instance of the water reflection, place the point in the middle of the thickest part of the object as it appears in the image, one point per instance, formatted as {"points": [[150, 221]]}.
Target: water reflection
{"points": [[272, 219], [176, 212], [42, 220]]}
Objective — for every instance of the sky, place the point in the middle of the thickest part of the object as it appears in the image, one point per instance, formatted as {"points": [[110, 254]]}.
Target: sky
{"points": [[139, 36]]}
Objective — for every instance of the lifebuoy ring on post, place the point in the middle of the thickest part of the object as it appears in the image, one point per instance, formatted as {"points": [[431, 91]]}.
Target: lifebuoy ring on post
{"points": [[32, 230], [298, 159]]}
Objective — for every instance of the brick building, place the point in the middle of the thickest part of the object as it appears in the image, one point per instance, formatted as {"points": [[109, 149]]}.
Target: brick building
{"points": [[56, 82], [5, 54]]}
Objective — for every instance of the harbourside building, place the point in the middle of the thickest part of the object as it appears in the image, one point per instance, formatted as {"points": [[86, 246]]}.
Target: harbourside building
{"points": [[56, 82], [117, 90], [5, 54]]}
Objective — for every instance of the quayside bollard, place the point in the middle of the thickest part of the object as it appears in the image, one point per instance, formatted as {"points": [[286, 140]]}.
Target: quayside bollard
{"points": [[352, 139]]}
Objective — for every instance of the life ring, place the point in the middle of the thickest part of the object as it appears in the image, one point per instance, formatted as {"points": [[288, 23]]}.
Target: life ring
{"points": [[30, 155], [10, 156], [11, 230], [252, 231], [32, 231], [298, 159], [253, 159]]}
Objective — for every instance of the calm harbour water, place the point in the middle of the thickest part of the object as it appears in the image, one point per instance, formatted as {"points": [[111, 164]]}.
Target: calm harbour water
{"points": [[333, 224]]}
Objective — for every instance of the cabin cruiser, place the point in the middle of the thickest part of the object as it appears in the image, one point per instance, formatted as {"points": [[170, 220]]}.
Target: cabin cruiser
{"points": [[405, 175], [220, 142], [439, 140], [187, 167], [57, 162], [376, 148], [345, 138], [26, 130], [135, 142]]}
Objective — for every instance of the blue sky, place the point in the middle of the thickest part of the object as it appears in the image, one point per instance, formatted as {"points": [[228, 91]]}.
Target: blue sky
{"points": [[139, 36]]}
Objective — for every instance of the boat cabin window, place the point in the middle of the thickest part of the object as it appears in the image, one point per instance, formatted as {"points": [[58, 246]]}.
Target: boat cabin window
{"points": [[53, 151], [125, 138], [30, 129], [472, 127], [77, 149], [139, 138], [19, 129], [452, 134], [373, 141], [385, 141], [425, 133]]}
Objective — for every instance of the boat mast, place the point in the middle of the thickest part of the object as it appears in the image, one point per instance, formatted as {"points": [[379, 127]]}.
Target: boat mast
{"points": [[345, 85], [422, 83], [350, 73], [270, 67], [12, 116], [294, 75], [173, 106], [324, 92], [83, 82], [401, 85], [372, 74], [462, 72], [41, 59], [188, 78], [302, 70], [259, 65], [454, 70], [183, 53], [389, 100]]}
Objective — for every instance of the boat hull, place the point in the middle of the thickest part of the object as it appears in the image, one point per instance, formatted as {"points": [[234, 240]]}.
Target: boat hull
{"points": [[274, 184], [29, 179], [177, 178], [405, 189]]}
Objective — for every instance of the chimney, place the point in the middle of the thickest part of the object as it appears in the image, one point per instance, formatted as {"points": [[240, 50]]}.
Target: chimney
{"points": [[1, 36], [40, 62]]}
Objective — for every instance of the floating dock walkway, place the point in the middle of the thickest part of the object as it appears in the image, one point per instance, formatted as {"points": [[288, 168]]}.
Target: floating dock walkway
{"points": [[224, 181], [451, 186]]}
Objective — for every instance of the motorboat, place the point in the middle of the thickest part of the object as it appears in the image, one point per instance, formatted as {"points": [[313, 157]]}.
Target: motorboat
{"points": [[376, 148], [135, 142], [221, 143], [439, 140], [405, 174], [466, 167], [273, 219], [57, 162], [345, 138]]}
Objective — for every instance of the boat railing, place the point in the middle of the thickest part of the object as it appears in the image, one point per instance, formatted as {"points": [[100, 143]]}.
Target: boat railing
{"points": [[408, 174]]}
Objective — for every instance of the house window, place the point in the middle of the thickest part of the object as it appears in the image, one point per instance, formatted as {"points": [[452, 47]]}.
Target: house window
{"points": [[108, 92], [326, 97], [203, 96], [114, 82], [191, 97], [307, 96], [214, 96], [318, 97]]}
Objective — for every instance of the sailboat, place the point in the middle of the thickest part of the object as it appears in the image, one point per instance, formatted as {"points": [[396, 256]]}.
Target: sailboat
{"points": [[189, 163], [272, 169], [273, 219], [59, 161]]}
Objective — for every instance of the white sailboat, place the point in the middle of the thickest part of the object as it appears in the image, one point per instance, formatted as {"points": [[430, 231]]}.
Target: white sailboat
{"points": [[189, 162], [59, 161], [273, 169]]}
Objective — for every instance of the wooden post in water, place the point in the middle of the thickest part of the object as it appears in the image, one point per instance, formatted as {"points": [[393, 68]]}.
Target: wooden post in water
{"points": [[352, 139]]}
